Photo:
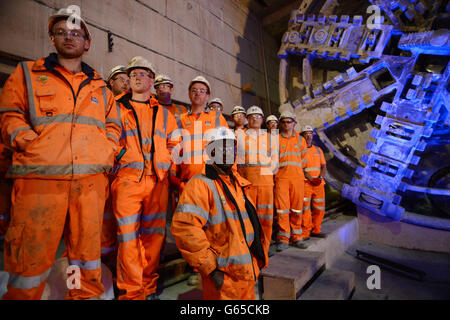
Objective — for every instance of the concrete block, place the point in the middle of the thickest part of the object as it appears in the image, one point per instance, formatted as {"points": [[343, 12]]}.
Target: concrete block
{"points": [[158, 5], [341, 232], [332, 284], [288, 272], [240, 20], [373, 227], [215, 7], [28, 40], [186, 13], [188, 48]]}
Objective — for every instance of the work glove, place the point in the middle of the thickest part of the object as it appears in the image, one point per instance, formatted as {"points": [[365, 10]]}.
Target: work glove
{"points": [[316, 181], [217, 277]]}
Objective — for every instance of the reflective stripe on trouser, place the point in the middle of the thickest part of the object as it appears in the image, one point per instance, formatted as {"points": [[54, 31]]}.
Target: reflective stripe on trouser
{"points": [[314, 200], [5, 205], [263, 198], [289, 205], [140, 211], [41, 211], [231, 289]]}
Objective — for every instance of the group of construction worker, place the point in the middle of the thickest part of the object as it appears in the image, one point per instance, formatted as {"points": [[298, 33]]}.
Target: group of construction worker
{"points": [[109, 166]]}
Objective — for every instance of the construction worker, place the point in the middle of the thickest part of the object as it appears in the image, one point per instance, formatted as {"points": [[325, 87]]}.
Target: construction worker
{"points": [[195, 124], [289, 184], [140, 190], [215, 225], [271, 123], [238, 115], [61, 121], [260, 158], [118, 80], [164, 91], [314, 197], [216, 105]]}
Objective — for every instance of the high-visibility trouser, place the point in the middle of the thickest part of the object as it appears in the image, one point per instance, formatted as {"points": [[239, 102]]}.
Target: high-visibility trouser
{"points": [[314, 199], [5, 205], [41, 210], [289, 195], [140, 210], [231, 289], [109, 227], [263, 198]]}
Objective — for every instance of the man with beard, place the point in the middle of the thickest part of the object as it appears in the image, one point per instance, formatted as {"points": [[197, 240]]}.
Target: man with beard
{"points": [[61, 122]]}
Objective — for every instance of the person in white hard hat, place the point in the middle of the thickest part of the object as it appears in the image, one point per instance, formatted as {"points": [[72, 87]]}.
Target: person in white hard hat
{"points": [[271, 123], [225, 249], [238, 115], [164, 92], [314, 198], [260, 157], [118, 80], [216, 104], [289, 184], [196, 123], [140, 189], [61, 121]]}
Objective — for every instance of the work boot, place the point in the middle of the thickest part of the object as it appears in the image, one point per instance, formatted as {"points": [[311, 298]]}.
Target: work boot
{"points": [[194, 279], [282, 246], [300, 244], [319, 235]]}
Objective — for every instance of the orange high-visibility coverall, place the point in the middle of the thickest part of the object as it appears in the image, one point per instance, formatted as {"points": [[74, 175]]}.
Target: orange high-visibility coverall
{"points": [[208, 232], [5, 187], [64, 130], [140, 193], [194, 127], [289, 187], [259, 154], [109, 229], [314, 195]]}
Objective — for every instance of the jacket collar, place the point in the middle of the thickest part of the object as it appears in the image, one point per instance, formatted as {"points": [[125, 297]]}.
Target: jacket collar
{"points": [[51, 61], [211, 172]]}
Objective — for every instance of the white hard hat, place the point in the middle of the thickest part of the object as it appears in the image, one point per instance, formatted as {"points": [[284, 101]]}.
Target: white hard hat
{"points": [[287, 114], [69, 12], [116, 70], [201, 80], [254, 110], [162, 78], [220, 133], [237, 109], [271, 118], [216, 100], [141, 63], [307, 128]]}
